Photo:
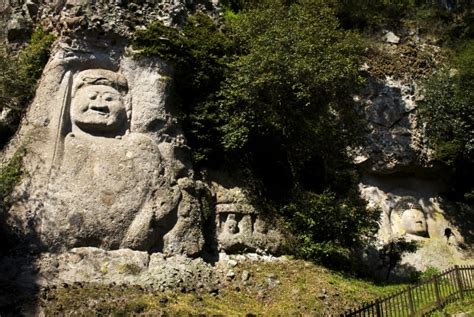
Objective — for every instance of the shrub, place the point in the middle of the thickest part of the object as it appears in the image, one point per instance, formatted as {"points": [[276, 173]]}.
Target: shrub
{"points": [[428, 273], [19, 75], [447, 17], [198, 53], [10, 174], [327, 228], [392, 252], [270, 91], [285, 100], [448, 115]]}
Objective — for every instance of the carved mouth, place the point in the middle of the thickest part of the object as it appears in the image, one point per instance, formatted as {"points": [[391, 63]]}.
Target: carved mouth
{"points": [[103, 111]]}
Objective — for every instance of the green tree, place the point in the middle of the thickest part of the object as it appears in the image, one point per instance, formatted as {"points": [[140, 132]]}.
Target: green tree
{"points": [[447, 113], [328, 228], [269, 92], [199, 54], [285, 101]]}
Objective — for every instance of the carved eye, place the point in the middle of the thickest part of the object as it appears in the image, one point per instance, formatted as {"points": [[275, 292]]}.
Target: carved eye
{"points": [[93, 96], [109, 98]]}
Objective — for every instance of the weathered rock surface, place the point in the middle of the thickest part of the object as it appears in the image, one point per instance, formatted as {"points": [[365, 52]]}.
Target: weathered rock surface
{"points": [[125, 266], [240, 225], [391, 38], [110, 194], [107, 163], [121, 17], [400, 176], [23, 277], [393, 140]]}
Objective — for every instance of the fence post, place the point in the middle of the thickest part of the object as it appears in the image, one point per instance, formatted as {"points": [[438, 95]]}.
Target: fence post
{"points": [[377, 308], [410, 302], [459, 281], [438, 298]]}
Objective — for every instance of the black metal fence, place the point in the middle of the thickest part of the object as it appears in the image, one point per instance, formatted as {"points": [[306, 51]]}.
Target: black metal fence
{"points": [[423, 298]]}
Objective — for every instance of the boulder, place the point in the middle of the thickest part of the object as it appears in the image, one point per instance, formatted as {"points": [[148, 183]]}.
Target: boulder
{"points": [[391, 38]]}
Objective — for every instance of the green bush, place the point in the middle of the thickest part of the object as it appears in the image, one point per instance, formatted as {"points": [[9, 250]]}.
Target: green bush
{"points": [[327, 228], [374, 14], [284, 104], [392, 252], [10, 175], [428, 273], [19, 75], [33, 58], [294, 62], [449, 19], [230, 96], [269, 92], [199, 54], [447, 113]]}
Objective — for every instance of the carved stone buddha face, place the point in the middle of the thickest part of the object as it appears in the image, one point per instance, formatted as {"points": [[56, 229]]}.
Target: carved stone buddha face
{"points": [[414, 222], [97, 107], [412, 217]]}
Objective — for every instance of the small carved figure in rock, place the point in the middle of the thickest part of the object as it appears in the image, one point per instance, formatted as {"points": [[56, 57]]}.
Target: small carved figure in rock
{"points": [[231, 224]]}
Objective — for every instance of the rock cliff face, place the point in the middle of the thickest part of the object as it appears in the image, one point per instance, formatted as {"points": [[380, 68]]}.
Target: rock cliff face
{"points": [[109, 174], [107, 167], [107, 164], [399, 174]]}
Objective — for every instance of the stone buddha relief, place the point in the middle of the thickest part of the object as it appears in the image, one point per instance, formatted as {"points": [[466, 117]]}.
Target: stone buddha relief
{"points": [[112, 182], [103, 186], [408, 217]]}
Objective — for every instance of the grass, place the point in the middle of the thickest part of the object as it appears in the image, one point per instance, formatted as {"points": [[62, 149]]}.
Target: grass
{"points": [[287, 287], [465, 306]]}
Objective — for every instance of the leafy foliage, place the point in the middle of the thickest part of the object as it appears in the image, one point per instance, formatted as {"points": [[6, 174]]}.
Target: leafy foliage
{"points": [[428, 273], [199, 54], [295, 61], [448, 114], [370, 14], [270, 92], [392, 252], [19, 75], [10, 174], [283, 103], [328, 227], [377, 14]]}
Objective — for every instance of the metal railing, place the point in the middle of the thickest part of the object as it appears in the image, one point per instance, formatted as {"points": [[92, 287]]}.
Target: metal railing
{"points": [[423, 298]]}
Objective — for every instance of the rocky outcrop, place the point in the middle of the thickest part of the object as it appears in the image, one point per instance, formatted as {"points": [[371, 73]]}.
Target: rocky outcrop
{"points": [[400, 177], [392, 144], [120, 17], [241, 226], [107, 164]]}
